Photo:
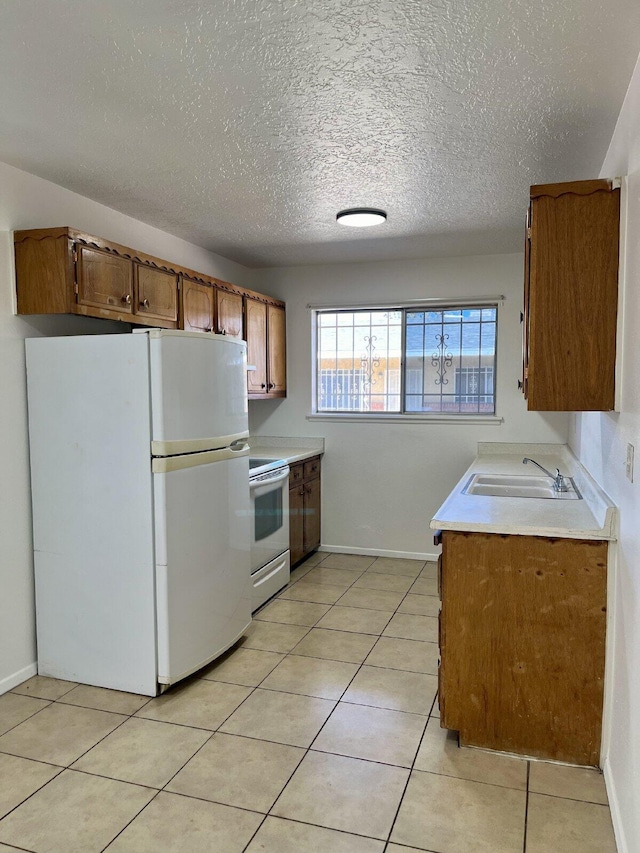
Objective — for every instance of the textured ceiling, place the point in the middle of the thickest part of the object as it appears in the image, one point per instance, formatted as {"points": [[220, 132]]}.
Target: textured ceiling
{"points": [[245, 125]]}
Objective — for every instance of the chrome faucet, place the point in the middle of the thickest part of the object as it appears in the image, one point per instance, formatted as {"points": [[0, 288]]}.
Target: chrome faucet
{"points": [[559, 484]]}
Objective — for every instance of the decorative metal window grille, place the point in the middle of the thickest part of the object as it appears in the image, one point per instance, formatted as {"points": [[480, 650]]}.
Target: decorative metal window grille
{"points": [[341, 390], [359, 358], [450, 356], [407, 360], [473, 383]]}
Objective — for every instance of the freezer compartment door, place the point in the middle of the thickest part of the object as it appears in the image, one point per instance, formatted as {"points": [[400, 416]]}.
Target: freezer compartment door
{"points": [[203, 586], [198, 391]]}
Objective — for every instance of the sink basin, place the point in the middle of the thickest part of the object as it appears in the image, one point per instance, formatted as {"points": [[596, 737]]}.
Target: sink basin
{"points": [[519, 486]]}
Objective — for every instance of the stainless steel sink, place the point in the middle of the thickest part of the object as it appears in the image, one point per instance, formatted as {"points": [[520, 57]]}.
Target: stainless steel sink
{"points": [[519, 486]]}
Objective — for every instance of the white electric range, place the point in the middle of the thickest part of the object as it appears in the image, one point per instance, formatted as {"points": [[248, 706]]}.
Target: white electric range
{"points": [[270, 556]]}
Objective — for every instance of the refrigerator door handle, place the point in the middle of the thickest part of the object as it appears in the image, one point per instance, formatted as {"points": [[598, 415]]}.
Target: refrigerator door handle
{"points": [[165, 464], [196, 445]]}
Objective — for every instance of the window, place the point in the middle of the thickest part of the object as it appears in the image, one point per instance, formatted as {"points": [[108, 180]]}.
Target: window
{"points": [[407, 360]]}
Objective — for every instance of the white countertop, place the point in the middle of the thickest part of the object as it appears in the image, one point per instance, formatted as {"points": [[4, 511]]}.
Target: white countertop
{"points": [[593, 517], [285, 447]]}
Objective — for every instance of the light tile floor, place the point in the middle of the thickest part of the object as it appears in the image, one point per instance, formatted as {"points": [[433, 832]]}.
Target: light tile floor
{"points": [[319, 732]]}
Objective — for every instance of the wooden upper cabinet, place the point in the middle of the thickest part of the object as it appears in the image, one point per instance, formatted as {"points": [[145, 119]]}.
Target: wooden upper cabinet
{"points": [[45, 273], [229, 308], [104, 280], [256, 320], [156, 294], [276, 348], [571, 296], [197, 306], [65, 271], [266, 349]]}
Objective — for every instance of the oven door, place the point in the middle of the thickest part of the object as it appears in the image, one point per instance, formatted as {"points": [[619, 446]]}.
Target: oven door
{"points": [[269, 516]]}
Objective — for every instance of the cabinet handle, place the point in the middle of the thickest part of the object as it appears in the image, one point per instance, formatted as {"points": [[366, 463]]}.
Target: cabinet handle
{"points": [[126, 299], [144, 303], [521, 317], [271, 385], [263, 385], [520, 386], [301, 492], [223, 332], [209, 329]]}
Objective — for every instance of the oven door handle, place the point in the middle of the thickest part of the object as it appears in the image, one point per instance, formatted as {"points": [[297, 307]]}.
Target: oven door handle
{"points": [[269, 481]]}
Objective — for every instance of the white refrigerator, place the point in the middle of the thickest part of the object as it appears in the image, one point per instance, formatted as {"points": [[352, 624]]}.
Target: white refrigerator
{"points": [[140, 495]]}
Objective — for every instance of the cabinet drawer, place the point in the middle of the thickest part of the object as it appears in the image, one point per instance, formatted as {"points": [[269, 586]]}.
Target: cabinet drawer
{"points": [[296, 474], [311, 468]]}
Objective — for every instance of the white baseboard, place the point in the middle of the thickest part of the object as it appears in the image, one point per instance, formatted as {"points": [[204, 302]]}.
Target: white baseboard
{"points": [[378, 552], [616, 818], [18, 677]]}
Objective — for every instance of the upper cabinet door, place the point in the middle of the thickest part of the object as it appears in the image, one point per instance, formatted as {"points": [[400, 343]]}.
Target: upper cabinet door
{"points": [[230, 313], [277, 354], [256, 319], [197, 306], [156, 294], [573, 296], [524, 316], [104, 280]]}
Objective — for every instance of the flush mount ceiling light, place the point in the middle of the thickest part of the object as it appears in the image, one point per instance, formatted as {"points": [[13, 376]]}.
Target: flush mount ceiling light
{"points": [[361, 217]]}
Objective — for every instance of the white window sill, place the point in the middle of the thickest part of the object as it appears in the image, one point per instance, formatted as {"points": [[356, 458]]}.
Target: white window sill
{"points": [[358, 417]]}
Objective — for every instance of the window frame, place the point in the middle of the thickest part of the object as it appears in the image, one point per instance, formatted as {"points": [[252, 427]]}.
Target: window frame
{"points": [[404, 416]]}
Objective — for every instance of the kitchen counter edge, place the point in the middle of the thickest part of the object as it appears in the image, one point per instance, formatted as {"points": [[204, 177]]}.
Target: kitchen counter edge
{"points": [[595, 517]]}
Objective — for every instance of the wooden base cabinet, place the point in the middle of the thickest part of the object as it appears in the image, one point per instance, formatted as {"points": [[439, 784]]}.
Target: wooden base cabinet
{"points": [[571, 296], [304, 509], [522, 643]]}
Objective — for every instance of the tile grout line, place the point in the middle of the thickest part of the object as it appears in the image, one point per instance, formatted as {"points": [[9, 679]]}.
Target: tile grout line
{"points": [[168, 782], [252, 691], [136, 815], [404, 791], [68, 767], [309, 748], [305, 751]]}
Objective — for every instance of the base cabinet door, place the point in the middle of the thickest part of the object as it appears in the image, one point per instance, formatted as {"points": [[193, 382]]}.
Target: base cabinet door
{"points": [[304, 508], [522, 643], [311, 515], [296, 523]]}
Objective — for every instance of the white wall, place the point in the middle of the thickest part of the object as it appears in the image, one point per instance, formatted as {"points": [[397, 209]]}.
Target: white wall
{"points": [[600, 441], [382, 482], [30, 202]]}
